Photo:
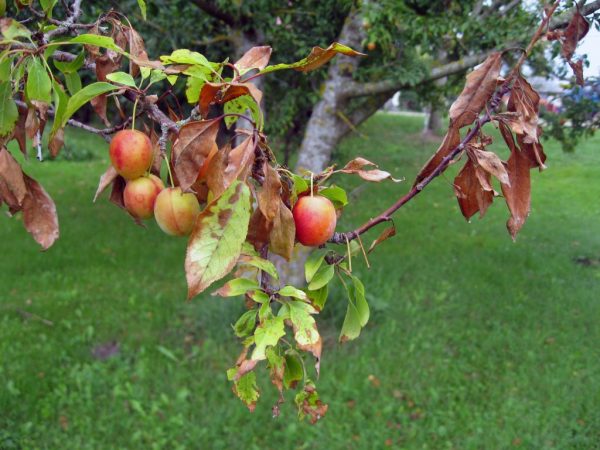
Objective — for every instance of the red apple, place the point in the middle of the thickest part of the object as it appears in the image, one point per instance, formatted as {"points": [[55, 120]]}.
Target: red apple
{"points": [[131, 153], [176, 212], [140, 194], [315, 220]]}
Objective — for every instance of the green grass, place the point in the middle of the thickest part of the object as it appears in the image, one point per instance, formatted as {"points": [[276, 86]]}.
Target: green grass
{"points": [[475, 342]]}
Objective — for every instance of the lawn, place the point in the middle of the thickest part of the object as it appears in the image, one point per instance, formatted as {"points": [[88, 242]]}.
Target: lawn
{"points": [[475, 341]]}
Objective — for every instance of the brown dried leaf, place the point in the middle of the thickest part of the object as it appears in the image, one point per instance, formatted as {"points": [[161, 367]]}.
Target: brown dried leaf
{"points": [[32, 123], [575, 31], [518, 194], [215, 174], [13, 179], [577, 67], [239, 161], [319, 56], [107, 178], [269, 194], [385, 234], [471, 196], [534, 152], [259, 230], [491, 163], [283, 234], [525, 101], [137, 49], [255, 58], [104, 65], [39, 214], [190, 150], [479, 87], [450, 142], [219, 93], [19, 131], [356, 167], [56, 142]]}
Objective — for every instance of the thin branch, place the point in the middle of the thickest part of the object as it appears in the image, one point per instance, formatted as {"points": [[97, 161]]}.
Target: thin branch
{"points": [[67, 25], [212, 9], [563, 19]]}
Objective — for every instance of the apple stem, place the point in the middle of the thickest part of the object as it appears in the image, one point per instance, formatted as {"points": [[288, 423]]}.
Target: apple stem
{"points": [[166, 158], [311, 185], [133, 114], [349, 254]]}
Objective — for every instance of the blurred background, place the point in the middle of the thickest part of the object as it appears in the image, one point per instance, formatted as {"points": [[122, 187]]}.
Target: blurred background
{"points": [[474, 341]]}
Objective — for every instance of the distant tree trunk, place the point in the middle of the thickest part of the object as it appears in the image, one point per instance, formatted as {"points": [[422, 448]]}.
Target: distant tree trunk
{"points": [[433, 121]]}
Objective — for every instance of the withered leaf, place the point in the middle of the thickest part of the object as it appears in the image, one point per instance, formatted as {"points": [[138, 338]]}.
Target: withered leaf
{"points": [[259, 230], [39, 214], [518, 194], [525, 101], [215, 179], [577, 67], [319, 56], [13, 178], [534, 152], [190, 150], [575, 31], [19, 131], [219, 93], [239, 161], [450, 142], [105, 180], [471, 196], [269, 194], [479, 87], [32, 123], [385, 234], [255, 58], [105, 64], [356, 166], [283, 234], [491, 163], [56, 142], [137, 49]]}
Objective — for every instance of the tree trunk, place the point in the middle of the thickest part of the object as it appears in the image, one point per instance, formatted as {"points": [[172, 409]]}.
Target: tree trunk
{"points": [[433, 121]]}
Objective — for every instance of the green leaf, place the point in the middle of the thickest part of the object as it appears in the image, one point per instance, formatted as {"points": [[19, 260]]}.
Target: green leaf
{"points": [[312, 264], [319, 297], [48, 6], [247, 390], [239, 105], [5, 67], [15, 30], [216, 241], [61, 100], [322, 277], [305, 327], [2, 7], [73, 82], [245, 324], [260, 297], [317, 57], [95, 40], [300, 184], [145, 72], [121, 78], [276, 367], [85, 95], [291, 291], [168, 353], [192, 89], [8, 109], [157, 75], [267, 334], [70, 66], [185, 56], [260, 263], [142, 5], [39, 85], [351, 327], [172, 79], [294, 371], [362, 307], [336, 194], [237, 286]]}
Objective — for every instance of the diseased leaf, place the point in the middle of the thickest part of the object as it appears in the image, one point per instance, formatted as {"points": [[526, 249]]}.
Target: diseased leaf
{"points": [[13, 177], [309, 404], [305, 329], [479, 87], [216, 240], [385, 234], [239, 162], [191, 149], [318, 298], [8, 109], [317, 57], [524, 100], [293, 371], [260, 263], [276, 368], [518, 194], [245, 324], [39, 214], [471, 196], [247, 390], [255, 58], [270, 193], [357, 165], [450, 142], [219, 93], [491, 163], [291, 291], [576, 30], [105, 180], [283, 233]]}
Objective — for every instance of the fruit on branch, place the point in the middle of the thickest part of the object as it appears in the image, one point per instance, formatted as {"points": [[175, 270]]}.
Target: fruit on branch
{"points": [[371, 46], [315, 220], [131, 153], [140, 195], [176, 212]]}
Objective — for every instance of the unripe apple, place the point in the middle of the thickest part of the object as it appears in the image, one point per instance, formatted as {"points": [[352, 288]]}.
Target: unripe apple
{"points": [[315, 220], [371, 46], [176, 212], [131, 153], [140, 195]]}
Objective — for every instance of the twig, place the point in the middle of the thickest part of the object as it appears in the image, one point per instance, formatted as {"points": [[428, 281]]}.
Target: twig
{"points": [[68, 24], [29, 315]]}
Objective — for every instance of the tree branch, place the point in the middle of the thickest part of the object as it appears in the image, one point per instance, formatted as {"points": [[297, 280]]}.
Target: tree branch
{"points": [[563, 19], [210, 8], [67, 24]]}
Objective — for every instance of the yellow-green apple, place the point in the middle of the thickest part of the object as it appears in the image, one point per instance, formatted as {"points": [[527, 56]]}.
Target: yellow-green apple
{"points": [[176, 212], [140, 195]]}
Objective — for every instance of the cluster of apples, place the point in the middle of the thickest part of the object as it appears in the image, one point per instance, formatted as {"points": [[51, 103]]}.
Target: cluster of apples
{"points": [[145, 195]]}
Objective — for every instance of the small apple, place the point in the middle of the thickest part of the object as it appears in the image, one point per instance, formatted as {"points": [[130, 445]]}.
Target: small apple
{"points": [[130, 153], [176, 212], [315, 220], [371, 46], [140, 194]]}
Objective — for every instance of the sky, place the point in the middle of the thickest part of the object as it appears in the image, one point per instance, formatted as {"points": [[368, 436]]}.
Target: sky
{"points": [[591, 46]]}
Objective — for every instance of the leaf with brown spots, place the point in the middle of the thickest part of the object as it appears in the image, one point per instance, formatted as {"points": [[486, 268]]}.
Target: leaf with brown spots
{"points": [[283, 234], [471, 195], [309, 404], [56, 142], [385, 234], [39, 214], [534, 152], [137, 50], [479, 87], [306, 333], [239, 161], [193, 145], [269, 194], [450, 142], [105, 64], [259, 230], [518, 194], [215, 178], [19, 131], [216, 240], [577, 67], [357, 166]]}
